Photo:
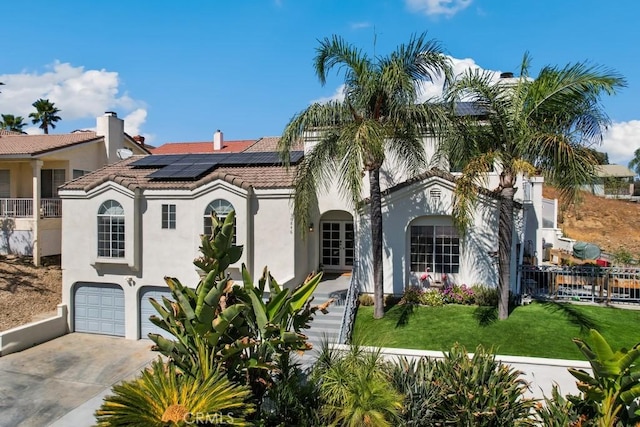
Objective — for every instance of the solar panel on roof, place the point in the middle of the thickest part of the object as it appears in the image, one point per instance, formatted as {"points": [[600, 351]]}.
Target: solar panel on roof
{"points": [[193, 166], [182, 171]]}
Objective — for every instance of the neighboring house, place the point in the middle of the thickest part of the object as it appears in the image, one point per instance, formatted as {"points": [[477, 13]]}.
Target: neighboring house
{"points": [[613, 181], [130, 224], [32, 167]]}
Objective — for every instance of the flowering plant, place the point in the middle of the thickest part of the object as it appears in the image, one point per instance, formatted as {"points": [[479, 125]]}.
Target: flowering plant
{"points": [[454, 294]]}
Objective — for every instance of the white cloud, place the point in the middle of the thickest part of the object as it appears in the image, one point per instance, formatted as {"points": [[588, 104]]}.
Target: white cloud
{"points": [[78, 93], [360, 25], [434, 89], [337, 96], [620, 141], [438, 7]]}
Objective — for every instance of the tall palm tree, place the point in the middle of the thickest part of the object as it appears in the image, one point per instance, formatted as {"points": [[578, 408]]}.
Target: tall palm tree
{"points": [[12, 123], [634, 164], [547, 124], [45, 114], [379, 116]]}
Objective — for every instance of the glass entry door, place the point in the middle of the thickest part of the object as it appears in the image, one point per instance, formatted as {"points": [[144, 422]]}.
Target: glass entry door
{"points": [[336, 245]]}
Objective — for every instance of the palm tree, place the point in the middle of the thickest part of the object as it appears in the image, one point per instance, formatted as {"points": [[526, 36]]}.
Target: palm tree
{"points": [[45, 114], [634, 164], [379, 116], [163, 396], [547, 124], [12, 123]]}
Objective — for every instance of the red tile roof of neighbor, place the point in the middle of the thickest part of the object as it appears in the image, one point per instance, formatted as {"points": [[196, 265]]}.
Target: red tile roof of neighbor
{"points": [[30, 145], [267, 143], [202, 147]]}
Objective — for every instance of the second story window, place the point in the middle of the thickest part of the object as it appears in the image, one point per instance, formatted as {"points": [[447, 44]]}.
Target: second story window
{"points": [[221, 208], [50, 180], [111, 237], [169, 217]]}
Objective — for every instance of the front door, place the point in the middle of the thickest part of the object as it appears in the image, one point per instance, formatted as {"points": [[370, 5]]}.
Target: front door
{"points": [[336, 245]]}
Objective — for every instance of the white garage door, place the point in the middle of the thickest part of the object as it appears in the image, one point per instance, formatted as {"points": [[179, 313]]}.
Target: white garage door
{"points": [[146, 310], [99, 309]]}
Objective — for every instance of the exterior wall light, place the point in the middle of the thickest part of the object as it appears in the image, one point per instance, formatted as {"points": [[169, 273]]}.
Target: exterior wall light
{"points": [[310, 227]]}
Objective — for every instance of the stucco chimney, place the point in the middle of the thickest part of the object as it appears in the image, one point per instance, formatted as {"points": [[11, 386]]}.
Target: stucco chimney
{"points": [[218, 140], [111, 128]]}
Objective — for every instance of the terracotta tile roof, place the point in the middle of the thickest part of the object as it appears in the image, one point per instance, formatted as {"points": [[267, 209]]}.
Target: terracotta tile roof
{"points": [[265, 144], [8, 132], [30, 145], [124, 174], [202, 147], [270, 143]]}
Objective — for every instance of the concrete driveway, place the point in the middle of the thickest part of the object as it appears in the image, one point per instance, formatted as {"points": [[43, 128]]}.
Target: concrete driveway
{"points": [[61, 382]]}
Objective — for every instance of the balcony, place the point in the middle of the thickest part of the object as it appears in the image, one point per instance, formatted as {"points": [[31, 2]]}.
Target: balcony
{"points": [[23, 208]]}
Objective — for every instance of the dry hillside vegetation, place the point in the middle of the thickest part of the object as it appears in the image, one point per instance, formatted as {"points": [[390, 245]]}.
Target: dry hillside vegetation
{"points": [[28, 293], [608, 223]]}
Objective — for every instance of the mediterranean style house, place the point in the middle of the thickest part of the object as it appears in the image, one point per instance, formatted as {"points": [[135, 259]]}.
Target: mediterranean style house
{"points": [[128, 225], [32, 167]]}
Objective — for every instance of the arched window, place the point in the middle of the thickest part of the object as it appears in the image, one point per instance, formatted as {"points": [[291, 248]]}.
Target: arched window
{"points": [[111, 230], [222, 208]]}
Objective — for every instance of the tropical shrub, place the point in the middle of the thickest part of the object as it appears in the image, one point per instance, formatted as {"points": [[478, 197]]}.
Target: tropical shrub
{"points": [[365, 300], [293, 399], [458, 294], [432, 297], [479, 391], [412, 295], [162, 396], [415, 379], [558, 411], [614, 388], [355, 389], [225, 323], [485, 295]]}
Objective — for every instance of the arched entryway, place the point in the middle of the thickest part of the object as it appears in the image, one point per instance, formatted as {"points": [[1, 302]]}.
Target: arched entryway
{"points": [[337, 241]]}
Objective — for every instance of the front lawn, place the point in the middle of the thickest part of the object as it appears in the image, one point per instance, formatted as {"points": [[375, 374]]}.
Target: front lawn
{"points": [[531, 330]]}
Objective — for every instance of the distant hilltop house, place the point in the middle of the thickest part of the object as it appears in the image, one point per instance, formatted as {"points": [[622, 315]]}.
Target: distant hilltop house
{"points": [[128, 225], [32, 167], [615, 181]]}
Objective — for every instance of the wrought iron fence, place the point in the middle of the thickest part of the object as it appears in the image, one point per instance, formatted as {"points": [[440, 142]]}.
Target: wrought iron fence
{"points": [[582, 283], [351, 306]]}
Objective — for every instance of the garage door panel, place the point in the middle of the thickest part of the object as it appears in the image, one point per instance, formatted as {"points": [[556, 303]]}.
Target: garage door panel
{"points": [[147, 310], [99, 309]]}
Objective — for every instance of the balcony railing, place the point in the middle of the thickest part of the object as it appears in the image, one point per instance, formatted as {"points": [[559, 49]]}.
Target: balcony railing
{"points": [[23, 208]]}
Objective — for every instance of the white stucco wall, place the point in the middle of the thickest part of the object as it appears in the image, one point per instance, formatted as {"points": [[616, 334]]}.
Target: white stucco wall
{"points": [[413, 205], [264, 226]]}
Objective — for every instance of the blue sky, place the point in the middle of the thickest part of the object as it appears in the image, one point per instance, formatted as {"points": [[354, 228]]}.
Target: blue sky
{"points": [[179, 70]]}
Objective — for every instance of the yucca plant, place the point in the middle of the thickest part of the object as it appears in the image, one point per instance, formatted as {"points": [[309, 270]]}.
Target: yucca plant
{"points": [[162, 396], [614, 388], [355, 389], [480, 391], [415, 379], [559, 411]]}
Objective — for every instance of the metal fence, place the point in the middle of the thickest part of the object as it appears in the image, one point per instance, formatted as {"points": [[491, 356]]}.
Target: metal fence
{"points": [[23, 208], [582, 283]]}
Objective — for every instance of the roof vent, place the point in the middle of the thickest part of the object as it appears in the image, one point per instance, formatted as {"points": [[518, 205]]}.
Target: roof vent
{"points": [[506, 75]]}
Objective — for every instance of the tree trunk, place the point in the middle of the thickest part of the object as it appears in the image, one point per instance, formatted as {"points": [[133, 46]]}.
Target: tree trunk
{"points": [[505, 235], [376, 242]]}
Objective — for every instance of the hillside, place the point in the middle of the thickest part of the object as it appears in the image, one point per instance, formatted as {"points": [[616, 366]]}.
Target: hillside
{"points": [[608, 223]]}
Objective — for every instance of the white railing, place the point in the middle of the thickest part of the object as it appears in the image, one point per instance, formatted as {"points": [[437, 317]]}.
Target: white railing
{"points": [[23, 208]]}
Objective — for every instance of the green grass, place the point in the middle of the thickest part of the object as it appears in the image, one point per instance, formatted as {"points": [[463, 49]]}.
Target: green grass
{"points": [[530, 330]]}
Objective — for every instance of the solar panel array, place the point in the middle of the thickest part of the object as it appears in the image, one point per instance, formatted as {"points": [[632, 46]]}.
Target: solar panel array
{"points": [[193, 166]]}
